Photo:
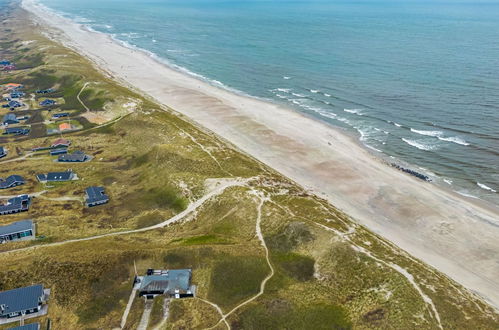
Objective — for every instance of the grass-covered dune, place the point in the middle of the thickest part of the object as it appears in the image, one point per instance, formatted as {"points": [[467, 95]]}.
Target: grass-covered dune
{"points": [[311, 268]]}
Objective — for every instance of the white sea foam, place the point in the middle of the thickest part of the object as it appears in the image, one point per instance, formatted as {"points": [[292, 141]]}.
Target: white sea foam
{"points": [[354, 111], [398, 125], [154, 40], [326, 94], [380, 130], [449, 182], [314, 91], [283, 90], [131, 35], [298, 95], [440, 135], [419, 145], [322, 112], [286, 78], [481, 185], [454, 139], [344, 120], [427, 133]]}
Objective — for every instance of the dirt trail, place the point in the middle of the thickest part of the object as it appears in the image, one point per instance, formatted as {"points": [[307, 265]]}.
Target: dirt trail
{"points": [[217, 190], [259, 234]]}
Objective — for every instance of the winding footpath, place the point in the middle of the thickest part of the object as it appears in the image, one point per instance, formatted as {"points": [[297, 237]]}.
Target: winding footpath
{"points": [[78, 96], [219, 189], [426, 299], [259, 234]]}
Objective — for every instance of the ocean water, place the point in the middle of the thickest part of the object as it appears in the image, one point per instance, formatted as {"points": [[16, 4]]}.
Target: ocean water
{"points": [[416, 81]]}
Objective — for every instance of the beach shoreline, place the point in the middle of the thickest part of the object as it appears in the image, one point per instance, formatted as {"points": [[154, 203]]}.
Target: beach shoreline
{"points": [[443, 229]]}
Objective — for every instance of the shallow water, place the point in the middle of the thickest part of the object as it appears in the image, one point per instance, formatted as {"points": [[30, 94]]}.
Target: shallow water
{"points": [[416, 81]]}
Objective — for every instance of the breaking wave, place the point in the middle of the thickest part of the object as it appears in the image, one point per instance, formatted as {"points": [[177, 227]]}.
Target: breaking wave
{"points": [[427, 133], [418, 145], [454, 139], [354, 111], [481, 185]]}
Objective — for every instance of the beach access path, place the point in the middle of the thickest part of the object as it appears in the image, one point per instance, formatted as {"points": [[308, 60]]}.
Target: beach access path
{"points": [[454, 234]]}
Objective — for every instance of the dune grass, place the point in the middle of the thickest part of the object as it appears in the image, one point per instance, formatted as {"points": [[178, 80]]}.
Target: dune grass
{"points": [[151, 165]]}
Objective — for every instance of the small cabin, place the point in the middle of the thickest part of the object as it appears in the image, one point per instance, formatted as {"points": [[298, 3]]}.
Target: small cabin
{"points": [[17, 204], [56, 176], [11, 181], [17, 231], [22, 301], [96, 196]]}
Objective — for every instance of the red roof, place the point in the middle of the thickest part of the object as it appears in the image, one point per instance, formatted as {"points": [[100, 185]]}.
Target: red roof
{"points": [[65, 127], [61, 142]]}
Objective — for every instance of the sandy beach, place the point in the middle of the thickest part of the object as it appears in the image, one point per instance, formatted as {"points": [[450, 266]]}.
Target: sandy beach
{"points": [[455, 235]]}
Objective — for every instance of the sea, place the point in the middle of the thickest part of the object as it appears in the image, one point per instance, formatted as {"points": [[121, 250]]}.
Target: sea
{"points": [[416, 81]]}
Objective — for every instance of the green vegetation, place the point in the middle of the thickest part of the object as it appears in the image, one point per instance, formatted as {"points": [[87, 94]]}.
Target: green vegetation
{"points": [[152, 166], [164, 197], [157, 311], [204, 239], [236, 278], [93, 99], [279, 314], [296, 266]]}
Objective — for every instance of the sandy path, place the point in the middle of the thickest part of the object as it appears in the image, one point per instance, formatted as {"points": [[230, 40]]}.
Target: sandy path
{"points": [[258, 232], [78, 96], [455, 235], [219, 189]]}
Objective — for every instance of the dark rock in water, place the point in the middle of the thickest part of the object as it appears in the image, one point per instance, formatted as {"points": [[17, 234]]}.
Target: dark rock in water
{"points": [[412, 172]]}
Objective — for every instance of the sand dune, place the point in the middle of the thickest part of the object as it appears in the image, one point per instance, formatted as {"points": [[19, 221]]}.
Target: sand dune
{"points": [[455, 235]]}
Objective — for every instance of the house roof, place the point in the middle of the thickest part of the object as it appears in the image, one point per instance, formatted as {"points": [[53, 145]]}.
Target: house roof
{"points": [[77, 156], [59, 176], [61, 142], [62, 114], [65, 126], [45, 91], [12, 85], [58, 151], [47, 102], [16, 204], [96, 194], [14, 103], [11, 180], [10, 117], [21, 299], [16, 227], [16, 130], [31, 326], [173, 280]]}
